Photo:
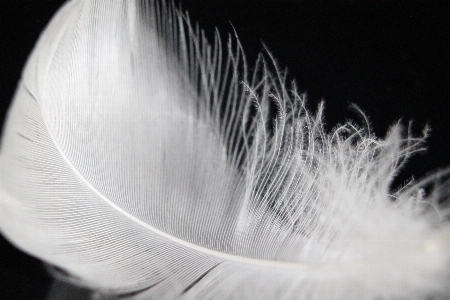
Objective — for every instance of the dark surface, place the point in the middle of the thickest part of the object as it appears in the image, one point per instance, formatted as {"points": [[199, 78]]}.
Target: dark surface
{"points": [[389, 57], [21, 276]]}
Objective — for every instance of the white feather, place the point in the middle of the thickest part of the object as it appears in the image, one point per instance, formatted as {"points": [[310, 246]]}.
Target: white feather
{"points": [[148, 164]]}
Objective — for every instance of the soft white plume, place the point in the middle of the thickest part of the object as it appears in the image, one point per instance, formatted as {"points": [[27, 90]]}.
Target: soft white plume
{"points": [[151, 165]]}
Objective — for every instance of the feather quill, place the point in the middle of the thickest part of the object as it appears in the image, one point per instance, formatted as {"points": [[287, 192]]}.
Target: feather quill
{"points": [[148, 164]]}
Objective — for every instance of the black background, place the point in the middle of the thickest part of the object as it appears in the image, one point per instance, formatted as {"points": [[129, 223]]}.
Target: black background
{"points": [[391, 58]]}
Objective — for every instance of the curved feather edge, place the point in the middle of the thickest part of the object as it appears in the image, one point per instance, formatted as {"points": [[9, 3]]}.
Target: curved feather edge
{"points": [[148, 164]]}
